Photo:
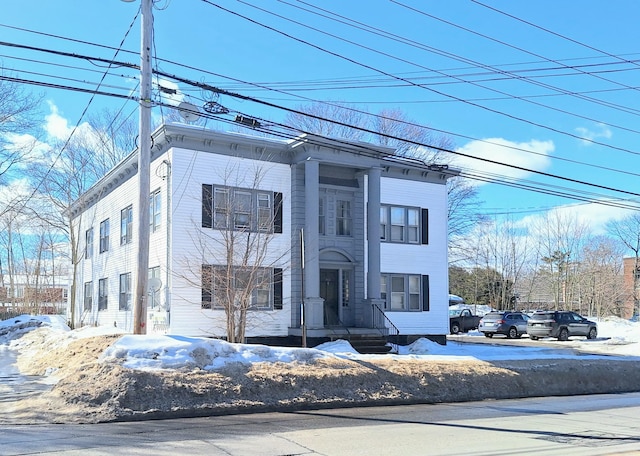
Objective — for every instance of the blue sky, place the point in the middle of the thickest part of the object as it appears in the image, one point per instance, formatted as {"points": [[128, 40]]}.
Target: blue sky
{"points": [[550, 86]]}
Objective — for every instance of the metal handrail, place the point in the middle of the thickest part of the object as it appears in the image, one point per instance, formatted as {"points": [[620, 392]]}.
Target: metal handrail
{"points": [[381, 321]]}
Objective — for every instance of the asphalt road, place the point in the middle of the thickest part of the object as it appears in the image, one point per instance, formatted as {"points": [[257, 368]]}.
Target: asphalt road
{"points": [[585, 426]]}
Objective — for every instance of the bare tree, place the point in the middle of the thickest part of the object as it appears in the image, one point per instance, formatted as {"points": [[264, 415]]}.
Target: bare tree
{"points": [[87, 157], [18, 110], [343, 121], [239, 271], [560, 238], [600, 282], [627, 231]]}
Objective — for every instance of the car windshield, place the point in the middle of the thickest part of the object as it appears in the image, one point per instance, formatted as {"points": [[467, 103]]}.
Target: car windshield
{"points": [[493, 316]]}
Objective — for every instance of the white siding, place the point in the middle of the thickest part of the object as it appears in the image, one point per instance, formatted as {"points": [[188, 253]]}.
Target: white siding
{"points": [[430, 259], [191, 169], [119, 259]]}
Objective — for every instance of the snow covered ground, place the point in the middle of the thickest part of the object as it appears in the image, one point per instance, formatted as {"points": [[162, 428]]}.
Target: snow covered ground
{"points": [[616, 338]]}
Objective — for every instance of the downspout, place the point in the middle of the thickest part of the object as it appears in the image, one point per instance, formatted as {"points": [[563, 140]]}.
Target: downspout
{"points": [[167, 288]]}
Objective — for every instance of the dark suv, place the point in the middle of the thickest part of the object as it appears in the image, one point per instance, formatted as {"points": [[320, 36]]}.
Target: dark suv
{"points": [[560, 324], [511, 324]]}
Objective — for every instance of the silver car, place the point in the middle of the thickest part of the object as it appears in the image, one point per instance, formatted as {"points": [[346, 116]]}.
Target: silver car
{"points": [[511, 324]]}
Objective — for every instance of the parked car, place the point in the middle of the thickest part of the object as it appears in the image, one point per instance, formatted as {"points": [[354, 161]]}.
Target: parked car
{"points": [[462, 321], [511, 324], [560, 324]]}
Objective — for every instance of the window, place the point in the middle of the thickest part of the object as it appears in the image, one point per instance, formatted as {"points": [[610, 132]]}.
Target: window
{"points": [[126, 225], [264, 211], [384, 223], [221, 208], [321, 217], [154, 293], [88, 237], [155, 208], [241, 209], [124, 301], [263, 286], [343, 218], [405, 292], [103, 292], [402, 224], [88, 296], [104, 236]]}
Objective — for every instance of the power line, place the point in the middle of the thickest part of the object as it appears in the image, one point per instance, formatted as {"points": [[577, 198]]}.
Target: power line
{"points": [[355, 62], [133, 66]]}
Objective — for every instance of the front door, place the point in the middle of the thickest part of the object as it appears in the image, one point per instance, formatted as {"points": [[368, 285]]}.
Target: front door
{"points": [[329, 286]]}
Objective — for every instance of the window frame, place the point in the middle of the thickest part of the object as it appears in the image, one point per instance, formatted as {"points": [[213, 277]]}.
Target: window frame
{"points": [[103, 294], [126, 225], [87, 301], [88, 239], [124, 292], [104, 235], [155, 210], [269, 281], [408, 228], [410, 299], [260, 211], [344, 217]]}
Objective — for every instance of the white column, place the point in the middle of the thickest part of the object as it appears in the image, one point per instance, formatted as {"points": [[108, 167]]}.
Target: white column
{"points": [[314, 304], [373, 234]]}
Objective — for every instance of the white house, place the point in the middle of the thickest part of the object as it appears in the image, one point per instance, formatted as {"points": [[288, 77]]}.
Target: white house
{"points": [[357, 238]]}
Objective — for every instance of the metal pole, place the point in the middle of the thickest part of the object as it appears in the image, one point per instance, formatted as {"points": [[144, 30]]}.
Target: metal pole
{"points": [[144, 158]]}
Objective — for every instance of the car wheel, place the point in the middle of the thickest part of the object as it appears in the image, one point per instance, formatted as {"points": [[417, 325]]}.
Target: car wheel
{"points": [[533, 337], [455, 328], [592, 334], [512, 333], [489, 335], [563, 335]]}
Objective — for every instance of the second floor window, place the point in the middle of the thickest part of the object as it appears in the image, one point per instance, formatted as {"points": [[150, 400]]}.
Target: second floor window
{"points": [[321, 216], [343, 218], [155, 211], [402, 224], [104, 236], [126, 225], [88, 237], [228, 208]]}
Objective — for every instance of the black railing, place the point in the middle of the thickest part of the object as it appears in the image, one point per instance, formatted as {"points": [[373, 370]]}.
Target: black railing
{"points": [[382, 323]]}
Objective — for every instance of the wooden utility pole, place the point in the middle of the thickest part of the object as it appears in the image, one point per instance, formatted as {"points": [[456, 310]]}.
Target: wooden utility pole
{"points": [[144, 166]]}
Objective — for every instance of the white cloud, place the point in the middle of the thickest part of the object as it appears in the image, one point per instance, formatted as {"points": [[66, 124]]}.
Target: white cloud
{"points": [[28, 146], [601, 131], [529, 155], [57, 127]]}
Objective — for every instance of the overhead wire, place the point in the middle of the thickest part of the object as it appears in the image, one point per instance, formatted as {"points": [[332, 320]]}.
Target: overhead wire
{"points": [[134, 66], [355, 62], [329, 120], [57, 157]]}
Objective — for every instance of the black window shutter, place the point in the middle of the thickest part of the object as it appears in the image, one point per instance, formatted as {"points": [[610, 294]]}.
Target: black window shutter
{"points": [[277, 212], [207, 285], [425, 226], [425, 293], [207, 206], [277, 288]]}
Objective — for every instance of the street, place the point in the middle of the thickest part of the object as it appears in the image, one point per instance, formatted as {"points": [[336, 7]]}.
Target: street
{"points": [[581, 425]]}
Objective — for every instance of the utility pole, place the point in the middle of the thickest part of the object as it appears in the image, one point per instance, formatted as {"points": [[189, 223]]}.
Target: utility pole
{"points": [[144, 166]]}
